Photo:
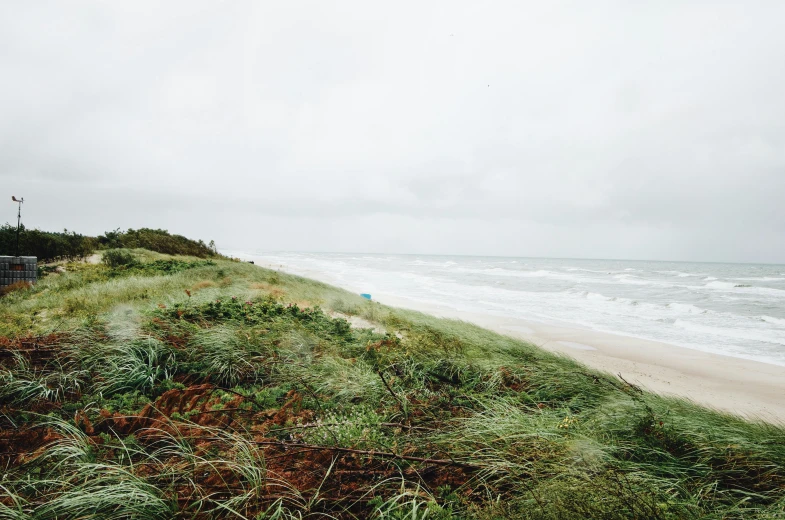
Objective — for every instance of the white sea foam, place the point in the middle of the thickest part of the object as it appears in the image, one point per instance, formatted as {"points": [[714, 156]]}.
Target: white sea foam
{"points": [[764, 336], [631, 279], [721, 285], [574, 269], [686, 308], [510, 273], [776, 321], [760, 279], [432, 264], [595, 296], [746, 289], [679, 274]]}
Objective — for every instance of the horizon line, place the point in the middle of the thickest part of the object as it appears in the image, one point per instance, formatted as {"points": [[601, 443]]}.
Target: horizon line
{"points": [[531, 257]]}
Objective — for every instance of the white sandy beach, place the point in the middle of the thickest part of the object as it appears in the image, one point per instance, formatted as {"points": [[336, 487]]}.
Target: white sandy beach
{"points": [[748, 388]]}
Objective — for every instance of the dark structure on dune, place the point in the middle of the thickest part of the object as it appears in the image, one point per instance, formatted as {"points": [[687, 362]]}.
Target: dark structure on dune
{"points": [[15, 269]]}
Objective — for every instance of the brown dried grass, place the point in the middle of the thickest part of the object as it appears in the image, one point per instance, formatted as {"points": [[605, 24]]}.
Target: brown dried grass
{"points": [[272, 290], [204, 284], [16, 286]]}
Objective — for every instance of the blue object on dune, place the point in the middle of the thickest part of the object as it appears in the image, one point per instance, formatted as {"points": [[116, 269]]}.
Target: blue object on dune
{"points": [[366, 296]]}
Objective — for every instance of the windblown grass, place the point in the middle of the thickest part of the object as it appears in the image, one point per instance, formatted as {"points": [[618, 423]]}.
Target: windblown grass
{"points": [[177, 389]]}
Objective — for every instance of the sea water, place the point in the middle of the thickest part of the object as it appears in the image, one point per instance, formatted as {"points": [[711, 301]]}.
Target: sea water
{"points": [[732, 309]]}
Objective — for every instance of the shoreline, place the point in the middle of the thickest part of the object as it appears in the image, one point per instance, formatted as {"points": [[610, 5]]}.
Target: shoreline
{"points": [[751, 389]]}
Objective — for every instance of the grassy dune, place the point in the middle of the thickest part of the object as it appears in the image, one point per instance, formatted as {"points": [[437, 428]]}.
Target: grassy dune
{"points": [[184, 388]]}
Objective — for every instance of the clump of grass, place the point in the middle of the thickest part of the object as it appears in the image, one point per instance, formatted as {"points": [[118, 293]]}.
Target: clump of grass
{"points": [[21, 383], [410, 503], [72, 483], [136, 366], [227, 357], [344, 307], [114, 258]]}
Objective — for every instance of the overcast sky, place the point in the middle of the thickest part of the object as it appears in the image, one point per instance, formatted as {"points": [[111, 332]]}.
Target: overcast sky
{"points": [[574, 129]]}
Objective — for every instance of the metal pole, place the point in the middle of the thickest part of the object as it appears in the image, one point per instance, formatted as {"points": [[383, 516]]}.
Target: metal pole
{"points": [[18, 225]]}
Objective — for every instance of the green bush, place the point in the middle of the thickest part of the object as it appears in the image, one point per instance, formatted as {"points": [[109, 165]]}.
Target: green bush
{"points": [[115, 258], [46, 245]]}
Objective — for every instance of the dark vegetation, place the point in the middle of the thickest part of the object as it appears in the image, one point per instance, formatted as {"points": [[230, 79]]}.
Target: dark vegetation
{"points": [[51, 246], [46, 245], [157, 240], [158, 387], [123, 261]]}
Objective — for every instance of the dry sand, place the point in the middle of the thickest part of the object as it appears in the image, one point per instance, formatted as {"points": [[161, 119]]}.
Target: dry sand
{"points": [[747, 388]]}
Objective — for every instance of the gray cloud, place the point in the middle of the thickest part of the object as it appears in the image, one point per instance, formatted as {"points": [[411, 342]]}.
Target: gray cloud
{"points": [[610, 130]]}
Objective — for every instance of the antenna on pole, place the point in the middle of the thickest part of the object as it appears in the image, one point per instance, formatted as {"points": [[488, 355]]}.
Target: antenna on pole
{"points": [[18, 220]]}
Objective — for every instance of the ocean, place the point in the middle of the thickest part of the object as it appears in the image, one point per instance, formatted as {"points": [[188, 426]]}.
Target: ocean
{"points": [[732, 309]]}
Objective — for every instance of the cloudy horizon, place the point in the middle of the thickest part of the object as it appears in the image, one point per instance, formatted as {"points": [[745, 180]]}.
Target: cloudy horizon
{"points": [[610, 130]]}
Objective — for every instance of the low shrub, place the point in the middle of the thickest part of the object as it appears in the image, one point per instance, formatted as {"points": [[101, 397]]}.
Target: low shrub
{"points": [[115, 258]]}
